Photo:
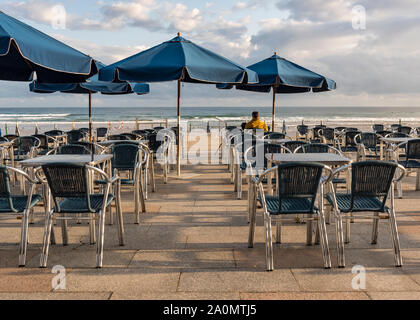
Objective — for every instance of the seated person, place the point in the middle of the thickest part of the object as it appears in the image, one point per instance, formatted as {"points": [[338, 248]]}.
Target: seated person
{"points": [[256, 123]]}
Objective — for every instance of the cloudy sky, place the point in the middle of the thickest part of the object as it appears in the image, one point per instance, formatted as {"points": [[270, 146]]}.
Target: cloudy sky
{"points": [[378, 65]]}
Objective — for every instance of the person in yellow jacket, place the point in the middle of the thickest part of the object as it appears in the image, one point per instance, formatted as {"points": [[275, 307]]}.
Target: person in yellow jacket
{"points": [[256, 123]]}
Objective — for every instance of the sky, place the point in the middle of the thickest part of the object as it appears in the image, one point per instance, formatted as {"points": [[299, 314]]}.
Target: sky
{"points": [[370, 48]]}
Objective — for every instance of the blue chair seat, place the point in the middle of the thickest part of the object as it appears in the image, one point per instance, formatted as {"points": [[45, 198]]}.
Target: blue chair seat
{"points": [[288, 206], [78, 205], [19, 203], [411, 164], [124, 182], [349, 149], [361, 203]]}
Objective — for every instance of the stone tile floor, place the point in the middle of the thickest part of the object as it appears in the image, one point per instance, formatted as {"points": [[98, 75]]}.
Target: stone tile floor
{"points": [[192, 244]]}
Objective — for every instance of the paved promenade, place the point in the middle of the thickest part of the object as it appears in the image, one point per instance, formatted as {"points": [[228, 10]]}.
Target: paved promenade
{"points": [[192, 244]]}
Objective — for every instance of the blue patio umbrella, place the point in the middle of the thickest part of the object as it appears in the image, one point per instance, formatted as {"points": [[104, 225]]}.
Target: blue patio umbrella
{"points": [[25, 51], [89, 87], [283, 76], [181, 60]]}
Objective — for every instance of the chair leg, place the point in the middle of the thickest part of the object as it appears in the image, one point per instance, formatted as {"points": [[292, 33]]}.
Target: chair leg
{"points": [[141, 195], [92, 230], [24, 238], [65, 235], [309, 231], [340, 240], [399, 190], [250, 198], [395, 238], [239, 183], [145, 184], [252, 217], [278, 231], [120, 221], [46, 242], [375, 228], [317, 234], [111, 215], [136, 204], [347, 234], [152, 174], [268, 243], [100, 244], [322, 231]]}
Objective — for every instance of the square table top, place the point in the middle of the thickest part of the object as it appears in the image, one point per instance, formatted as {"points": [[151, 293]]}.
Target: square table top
{"points": [[111, 142], [325, 158], [397, 140], [66, 158]]}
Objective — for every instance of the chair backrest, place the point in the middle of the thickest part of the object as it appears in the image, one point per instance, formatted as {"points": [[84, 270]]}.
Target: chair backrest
{"points": [[4, 139], [5, 191], [340, 129], [378, 127], [125, 156], [68, 181], [25, 144], [299, 180], [54, 133], [396, 135], [72, 149], [43, 139], [130, 136], [315, 148], [368, 139], [101, 132], [158, 128], [316, 130], [395, 126], [142, 134], [383, 133], [293, 145], [350, 129], [406, 130], [84, 130], [372, 179], [12, 137], [275, 135], [349, 138], [75, 136], [327, 133], [117, 137], [302, 129], [413, 149], [92, 147]]}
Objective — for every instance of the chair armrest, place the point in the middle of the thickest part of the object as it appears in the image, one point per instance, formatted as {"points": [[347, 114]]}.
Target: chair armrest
{"points": [[403, 172], [104, 175], [336, 172], [23, 173]]}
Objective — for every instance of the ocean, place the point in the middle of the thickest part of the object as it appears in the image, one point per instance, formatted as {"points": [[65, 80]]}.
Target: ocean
{"points": [[124, 119], [12, 115]]}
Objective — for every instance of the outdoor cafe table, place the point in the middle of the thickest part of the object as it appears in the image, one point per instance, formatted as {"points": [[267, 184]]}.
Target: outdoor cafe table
{"points": [[77, 159], [391, 141], [107, 143], [329, 159]]}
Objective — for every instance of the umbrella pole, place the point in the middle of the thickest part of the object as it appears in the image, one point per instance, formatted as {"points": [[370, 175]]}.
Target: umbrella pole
{"points": [[178, 141], [90, 123], [274, 110]]}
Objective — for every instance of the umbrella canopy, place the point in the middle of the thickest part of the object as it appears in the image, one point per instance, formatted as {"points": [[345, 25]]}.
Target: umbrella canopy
{"points": [[283, 76], [25, 50], [182, 60]]}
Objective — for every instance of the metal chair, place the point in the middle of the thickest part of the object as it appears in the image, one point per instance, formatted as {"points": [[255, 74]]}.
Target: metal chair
{"points": [[117, 137], [302, 132], [298, 185], [395, 126], [371, 186], [383, 133], [368, 146], [317, 148], [85, 131], [26, 147], [69, 185], [101, 133], [54, 133], [327, 135], [411, 161], [404, 129], [71, 149], [378, 127], [18, 205], [45, 143], [315, 131], [130, 158], [130, 136], [275, 136], [293, 145], [349, 145], [75, 136], [92, 147]]}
